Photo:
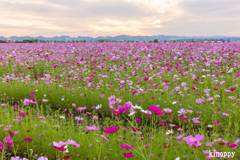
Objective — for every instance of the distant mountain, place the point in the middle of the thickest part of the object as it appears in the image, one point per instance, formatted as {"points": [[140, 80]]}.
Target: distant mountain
{"points": [[123, 38], [1, 38]]}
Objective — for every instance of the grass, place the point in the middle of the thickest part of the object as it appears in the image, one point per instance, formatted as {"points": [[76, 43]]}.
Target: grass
{"points": [[198, 81]]}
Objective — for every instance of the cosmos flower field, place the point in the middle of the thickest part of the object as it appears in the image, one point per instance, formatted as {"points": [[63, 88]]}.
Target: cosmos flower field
{"points": [[118, 101]]}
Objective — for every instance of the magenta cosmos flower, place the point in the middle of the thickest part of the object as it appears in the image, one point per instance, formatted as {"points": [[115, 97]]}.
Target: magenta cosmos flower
{"points": [[111, 129], [156, 110], [1, 146], [127, 155], [138, 120], [8, 141], [126, 146], [120, 109]]}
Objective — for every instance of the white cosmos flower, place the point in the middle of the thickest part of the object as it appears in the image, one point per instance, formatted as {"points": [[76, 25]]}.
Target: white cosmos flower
{"points": [[174, 102], [63, 117], [168, 132]]}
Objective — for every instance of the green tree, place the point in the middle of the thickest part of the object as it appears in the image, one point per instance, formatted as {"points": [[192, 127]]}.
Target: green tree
{"points": [[150, 41], [132, 41], [73, 41], [84, 41], [174, 41], [165, 41], [155, 40]]}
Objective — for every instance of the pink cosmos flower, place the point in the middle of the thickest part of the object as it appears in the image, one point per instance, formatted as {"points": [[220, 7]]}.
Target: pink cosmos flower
{"points": [[194, 142], [111, 98], [209, 157], [209, 144], [111, 129], [179, 137], [195, 120], [147, 145], [18, 158], [126, 146], [81, 108], [8, 141], [199, 100], [111, 104]]}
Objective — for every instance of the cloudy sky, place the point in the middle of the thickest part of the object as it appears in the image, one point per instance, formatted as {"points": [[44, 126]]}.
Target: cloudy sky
{"points": [[116, 17]]}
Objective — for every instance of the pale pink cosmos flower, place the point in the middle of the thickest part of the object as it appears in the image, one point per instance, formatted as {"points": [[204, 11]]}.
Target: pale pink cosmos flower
{"points": [[195, 120], [199, 100], [225, 114], [60, 143], [206, 152], [81, 108], [95, 117], [111, 98], [179, 137], [42, 158], [167, 110], [93, 128], [16, 158], [105, 138], [209, 144]]}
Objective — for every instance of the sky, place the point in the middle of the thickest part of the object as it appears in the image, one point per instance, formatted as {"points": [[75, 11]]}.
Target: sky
{"points": [[95, 18]]}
